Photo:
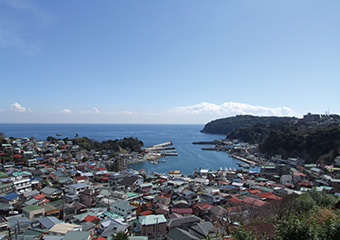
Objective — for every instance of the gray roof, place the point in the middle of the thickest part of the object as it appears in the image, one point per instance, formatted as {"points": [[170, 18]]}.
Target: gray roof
{"points": [[50, 237], [124, 205], [50, 190], [49, 222], [177, 222], [87, 225], [77, 185], [178, 233], [202, 229], [31, 193], [31, 202], [71, 235]]}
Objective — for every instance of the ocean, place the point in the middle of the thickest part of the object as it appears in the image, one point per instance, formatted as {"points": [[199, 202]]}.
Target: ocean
{"points": [[189, 157]]}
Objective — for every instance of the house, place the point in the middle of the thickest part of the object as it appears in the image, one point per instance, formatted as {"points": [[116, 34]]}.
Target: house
{"points": [[190, 197], [183, 222], [88, 198], [200, 207], [212, 196], [33, 211], [252, 202], [202, 230], [11, 198], [72, 235], [52, 193], [67, 211], [61, 229], [75, 189], [6, 185], [286, 179], [178, 233], [48, 222], [145, 187], [51, 211], [131, 182], [152, 226], [81, 179], [125, 209], [180, 204], [22, 183]]}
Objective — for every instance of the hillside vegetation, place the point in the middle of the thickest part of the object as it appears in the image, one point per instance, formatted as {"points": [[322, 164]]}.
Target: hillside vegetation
{"points": [[316, 142], [226, 125]]}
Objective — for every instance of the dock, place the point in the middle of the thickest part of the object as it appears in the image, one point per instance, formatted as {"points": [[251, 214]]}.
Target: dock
{"points": [[243, 159], [159, 147]]}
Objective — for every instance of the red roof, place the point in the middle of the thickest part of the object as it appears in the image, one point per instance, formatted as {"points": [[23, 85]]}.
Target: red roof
{"points": [[101, 168], [17, 156], [265, 194], [90, 218], [147, 212], [274, 197], [182, 210], [99, 238], [235, 200], [201, 205], [253, 201], [45, 201], [104, 178], [80, 178], [253, 191], [40, 196]]}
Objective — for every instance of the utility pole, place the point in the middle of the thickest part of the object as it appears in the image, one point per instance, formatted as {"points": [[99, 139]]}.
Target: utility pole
{"points": [[156, 228]]}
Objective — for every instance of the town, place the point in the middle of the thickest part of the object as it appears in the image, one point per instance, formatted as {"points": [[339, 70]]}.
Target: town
{"points": [[57, 190]]}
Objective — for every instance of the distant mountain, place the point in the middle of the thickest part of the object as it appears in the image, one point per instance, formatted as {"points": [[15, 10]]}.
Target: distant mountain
{"points": [[227, 125]]}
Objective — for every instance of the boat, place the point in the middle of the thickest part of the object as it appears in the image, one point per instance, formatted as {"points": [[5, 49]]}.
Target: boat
{"points": [[246, 165], [58, 134], [164, 160]]}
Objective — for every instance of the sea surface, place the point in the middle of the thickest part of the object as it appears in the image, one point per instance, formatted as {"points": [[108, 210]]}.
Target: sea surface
{"points": [[189, 157]]}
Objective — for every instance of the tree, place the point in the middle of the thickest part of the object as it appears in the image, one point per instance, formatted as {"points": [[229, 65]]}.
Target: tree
{"points": [[121, 236]]}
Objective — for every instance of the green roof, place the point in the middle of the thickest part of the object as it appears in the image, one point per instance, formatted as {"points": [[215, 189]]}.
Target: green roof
{"points": [[31, 208], [131, 194], [3, 175]]}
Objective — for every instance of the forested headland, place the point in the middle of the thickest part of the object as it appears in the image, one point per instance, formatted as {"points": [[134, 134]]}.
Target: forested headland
{"points": [[314, 141]]}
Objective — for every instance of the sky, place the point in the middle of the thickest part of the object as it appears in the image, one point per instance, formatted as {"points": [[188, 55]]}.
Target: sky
{"points": [[178, 61]]}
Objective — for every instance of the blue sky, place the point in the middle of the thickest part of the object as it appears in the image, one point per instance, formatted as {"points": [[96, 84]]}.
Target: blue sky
{"points": [[185, 61]]}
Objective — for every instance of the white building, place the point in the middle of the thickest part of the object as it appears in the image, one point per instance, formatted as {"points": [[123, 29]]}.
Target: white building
{"points": [[124, 209], [74, 189]]}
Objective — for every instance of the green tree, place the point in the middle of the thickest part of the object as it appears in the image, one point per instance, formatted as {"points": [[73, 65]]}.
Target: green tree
{"points": [[121, 236], [297, 228]]}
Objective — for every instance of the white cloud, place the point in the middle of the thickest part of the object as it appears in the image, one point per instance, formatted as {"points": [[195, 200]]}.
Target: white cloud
{"points": [[17, 107], [197, 114], [67, 111], [96, 110], [232, 108]]}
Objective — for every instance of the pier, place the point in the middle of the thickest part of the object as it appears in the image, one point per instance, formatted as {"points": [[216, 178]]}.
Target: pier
{"points": [[243, 159], [159, 147]]}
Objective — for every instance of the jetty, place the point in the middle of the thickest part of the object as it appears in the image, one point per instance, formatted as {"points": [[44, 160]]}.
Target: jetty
{"points": [[243, 159], [159, 147]]}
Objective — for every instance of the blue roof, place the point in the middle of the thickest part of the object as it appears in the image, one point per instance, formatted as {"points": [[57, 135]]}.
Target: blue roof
{"points": [[10, 196]]}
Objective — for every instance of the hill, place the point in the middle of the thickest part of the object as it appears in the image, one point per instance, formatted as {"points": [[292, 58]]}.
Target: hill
{"points": [[226, 125]]}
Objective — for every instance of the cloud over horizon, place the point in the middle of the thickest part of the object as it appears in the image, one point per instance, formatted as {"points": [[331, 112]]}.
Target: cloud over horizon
{"points": [[17, 107], [198, 113], [232, 108]]}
